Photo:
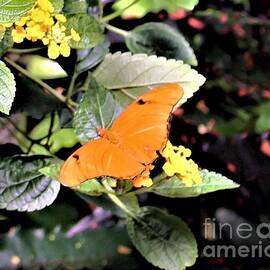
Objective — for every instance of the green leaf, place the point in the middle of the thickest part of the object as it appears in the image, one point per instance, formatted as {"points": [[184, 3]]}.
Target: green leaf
{"points": [[161, 40], [12, 10], [211, 181], [163, 239], [62, 138], [37, 249], [88, 58], [142, 7], [58, 5], [122, 71], [263, 108], [53, 169], [88, 28], [262, 123], [44, 68], [42, 129], [130, 201], [23, 187], [6, 42], [97, 109], [75, 6], [7, 88], [91, 187]]}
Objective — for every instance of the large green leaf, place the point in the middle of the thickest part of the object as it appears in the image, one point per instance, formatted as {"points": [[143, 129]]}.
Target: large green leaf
{"points": [[97, 109], [141, 7], [123, 71], [23, 187], [211, 181], [7, 88], [161, 40], [13, 10], [88, 28], [163, 239], [36, 249]]}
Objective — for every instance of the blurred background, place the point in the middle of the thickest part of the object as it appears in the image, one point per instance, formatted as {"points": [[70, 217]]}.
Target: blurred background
{"points": [[226, 125]]}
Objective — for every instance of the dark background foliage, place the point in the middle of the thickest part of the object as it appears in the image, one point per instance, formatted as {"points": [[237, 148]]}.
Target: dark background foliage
{"points": [[226, 125]]}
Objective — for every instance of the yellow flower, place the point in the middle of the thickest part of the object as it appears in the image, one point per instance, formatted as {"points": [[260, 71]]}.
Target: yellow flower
{"points": [[64, 49], [38, 15], [53, 50], [75, 36], [22, 21], [61, 18], [34, 32], [46, 5], [18, 34], [45, 41], [178, 163]]}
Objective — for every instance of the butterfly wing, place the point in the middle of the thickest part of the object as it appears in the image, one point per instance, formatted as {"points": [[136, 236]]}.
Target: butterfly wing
{"points": [[143, 126], [142, 131], [98, 158]]}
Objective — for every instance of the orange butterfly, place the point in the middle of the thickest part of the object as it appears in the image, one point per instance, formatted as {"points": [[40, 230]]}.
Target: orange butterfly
{"points": [[128, 149]]}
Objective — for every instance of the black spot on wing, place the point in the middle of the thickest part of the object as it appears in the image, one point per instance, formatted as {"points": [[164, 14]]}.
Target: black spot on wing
{"points": [[76, 157], [141, 101]]}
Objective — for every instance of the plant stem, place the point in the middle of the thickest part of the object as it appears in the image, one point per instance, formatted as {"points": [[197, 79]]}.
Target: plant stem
{"points": [[117, 201], [71, 104], [117, 30], [71, 86], [118, 12], [100, 8], [15, 50]]}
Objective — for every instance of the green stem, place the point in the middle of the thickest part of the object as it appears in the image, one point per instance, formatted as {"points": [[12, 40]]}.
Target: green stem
{"points": [[117, 30], [71, 86], [15, 50], [100, 8], [71, 104], [118, 12], [117, 201]]}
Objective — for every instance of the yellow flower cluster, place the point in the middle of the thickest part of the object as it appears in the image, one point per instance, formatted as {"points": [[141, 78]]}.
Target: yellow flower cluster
{"points": [[41, 23], [178, 163]]}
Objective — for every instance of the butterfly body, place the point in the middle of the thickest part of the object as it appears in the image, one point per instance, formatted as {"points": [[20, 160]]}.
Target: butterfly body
{"points": [[130, 146]]}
